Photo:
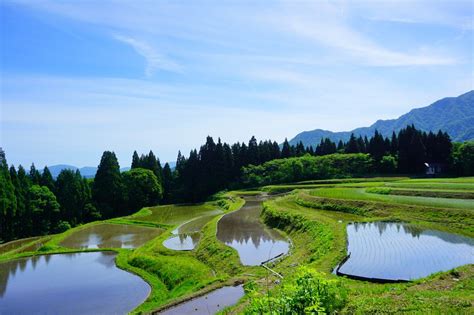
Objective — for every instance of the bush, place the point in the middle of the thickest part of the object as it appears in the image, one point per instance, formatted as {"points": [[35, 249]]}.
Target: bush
{"points": [[62, 226], [308, 293]]}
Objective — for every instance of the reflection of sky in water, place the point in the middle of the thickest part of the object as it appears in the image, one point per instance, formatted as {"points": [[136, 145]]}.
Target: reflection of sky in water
{"points": [[182, 241], [79, 283], [110, 236], [400, 251], [253, 241]]}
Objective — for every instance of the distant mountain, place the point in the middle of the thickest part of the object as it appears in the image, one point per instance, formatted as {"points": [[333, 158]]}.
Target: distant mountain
{"points": [[86, 171], [455, 115]]}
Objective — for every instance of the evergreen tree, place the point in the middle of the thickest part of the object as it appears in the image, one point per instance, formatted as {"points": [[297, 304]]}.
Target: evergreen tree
{"points": [[167, 184], [107, 189], [47, 179], [35, 175], [353, 145], [135, 160], [285, 150], [8, 202]]}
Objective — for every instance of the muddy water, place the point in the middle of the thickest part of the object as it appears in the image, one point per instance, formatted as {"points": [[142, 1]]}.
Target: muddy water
{"points": [[254, 241], [398, 251], [6, 247], [110, 236], [210, 303], [81, 283]]}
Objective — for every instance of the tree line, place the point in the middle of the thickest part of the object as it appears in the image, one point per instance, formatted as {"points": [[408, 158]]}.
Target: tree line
{"points": [[34, 203]]}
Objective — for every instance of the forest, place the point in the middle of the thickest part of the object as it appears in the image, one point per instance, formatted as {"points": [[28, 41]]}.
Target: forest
{"points": [[35, 203]]}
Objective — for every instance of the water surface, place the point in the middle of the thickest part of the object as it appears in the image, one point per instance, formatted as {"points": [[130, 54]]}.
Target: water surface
{"points": [[111, 236], [254, 241], [210, 303], [187, 235], [81, 283], [398, 251], [182, 241]]}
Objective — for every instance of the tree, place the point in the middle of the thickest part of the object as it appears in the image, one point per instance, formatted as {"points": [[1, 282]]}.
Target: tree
{"points": [[135, 160], [285, 150], [8, 201], [107, 189], [47, 179], [142, 187], [167, 184], [44, 208], [35, 175], [463, 156], [353, 145], [73, 194]]}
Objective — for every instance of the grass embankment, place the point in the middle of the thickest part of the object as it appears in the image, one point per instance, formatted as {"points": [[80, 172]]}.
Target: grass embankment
{"points": [[319, 238]]}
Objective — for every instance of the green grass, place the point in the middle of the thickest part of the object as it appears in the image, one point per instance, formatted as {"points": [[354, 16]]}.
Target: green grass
{"points": [[362, 194]]}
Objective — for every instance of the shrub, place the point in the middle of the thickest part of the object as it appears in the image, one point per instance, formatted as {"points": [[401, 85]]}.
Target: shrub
{"points": [[309, 292]]}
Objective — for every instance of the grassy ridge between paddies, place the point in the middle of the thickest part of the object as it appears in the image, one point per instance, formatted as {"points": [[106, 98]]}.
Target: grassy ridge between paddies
{"points": [[319, 238], [362, 194]]}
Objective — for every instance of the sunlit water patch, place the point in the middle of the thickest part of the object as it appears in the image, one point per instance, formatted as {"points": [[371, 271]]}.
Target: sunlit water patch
{"points": [[80, 283], [398, 251]]}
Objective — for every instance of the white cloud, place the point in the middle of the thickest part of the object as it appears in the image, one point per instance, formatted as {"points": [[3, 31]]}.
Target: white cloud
{"points": [[154, 60], [327, 24]]}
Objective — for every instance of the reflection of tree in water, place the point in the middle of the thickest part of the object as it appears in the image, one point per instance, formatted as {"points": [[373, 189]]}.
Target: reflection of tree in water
{"points": [[194, 237], [414, 231], [244, 225], [10, 268]]}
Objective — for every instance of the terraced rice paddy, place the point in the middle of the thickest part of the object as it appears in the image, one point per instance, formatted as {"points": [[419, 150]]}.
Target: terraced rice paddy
{"points": [[81, 283], [398, 251], [187, 235], [243, 231], [210, 303], [222, 242], [110, 236]]}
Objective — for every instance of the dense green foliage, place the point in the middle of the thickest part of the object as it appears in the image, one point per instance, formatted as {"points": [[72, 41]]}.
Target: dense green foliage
{"points": [[307, 167], [142, 188], [310, 292], [36, 204], [464, 158]]}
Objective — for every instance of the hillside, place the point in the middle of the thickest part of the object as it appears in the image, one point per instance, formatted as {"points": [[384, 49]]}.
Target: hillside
{"points": [[455, 115]]}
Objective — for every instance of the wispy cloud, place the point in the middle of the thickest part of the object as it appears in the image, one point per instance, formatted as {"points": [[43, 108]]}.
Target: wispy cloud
{"points": [[154, 60], [327, 24]]}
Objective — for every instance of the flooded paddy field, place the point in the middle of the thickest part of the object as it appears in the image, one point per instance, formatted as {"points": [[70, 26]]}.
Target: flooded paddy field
{"points": [[243, 231], [80, 283], [110, 236], [397, 251], [210, 303]]}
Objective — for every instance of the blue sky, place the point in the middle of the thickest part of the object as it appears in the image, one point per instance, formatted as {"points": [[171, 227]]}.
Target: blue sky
{"points": [[81, 77]]}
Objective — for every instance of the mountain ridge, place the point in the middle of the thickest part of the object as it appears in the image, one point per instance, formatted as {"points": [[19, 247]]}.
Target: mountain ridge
{"points": [[455, 115]]}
